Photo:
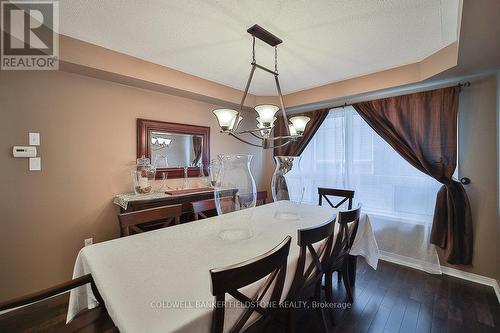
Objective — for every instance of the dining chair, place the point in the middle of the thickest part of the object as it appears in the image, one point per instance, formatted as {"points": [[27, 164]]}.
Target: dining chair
{"points": [[207, 208], [261, 198], [315, 248], [89, 320], [345, 195], [338, 261], [270, 266], [144, 220]]}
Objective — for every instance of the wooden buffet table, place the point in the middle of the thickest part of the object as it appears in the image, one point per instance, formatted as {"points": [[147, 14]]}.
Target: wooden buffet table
{"points": [[128, 202]]}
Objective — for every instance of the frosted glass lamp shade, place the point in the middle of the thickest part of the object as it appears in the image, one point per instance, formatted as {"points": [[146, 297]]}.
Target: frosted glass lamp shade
{"points": [[260, 124], [299, 123], [226, 118], [293, 131], [266, 113]]}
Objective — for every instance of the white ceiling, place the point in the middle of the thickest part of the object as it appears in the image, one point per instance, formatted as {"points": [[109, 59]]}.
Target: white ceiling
{"points": [[324, 40]]}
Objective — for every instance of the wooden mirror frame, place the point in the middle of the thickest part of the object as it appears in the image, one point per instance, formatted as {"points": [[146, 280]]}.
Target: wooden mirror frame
{"points": [[144, 127]]}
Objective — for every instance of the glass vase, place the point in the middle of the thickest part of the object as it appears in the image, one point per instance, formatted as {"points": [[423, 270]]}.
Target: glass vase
{"points": [[143, 176], [143, 180], [287, 185], [235, 190], [213, 172]]}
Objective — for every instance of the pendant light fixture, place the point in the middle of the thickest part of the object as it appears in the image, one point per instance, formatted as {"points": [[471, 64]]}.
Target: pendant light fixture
{"points": [[295, 126]]}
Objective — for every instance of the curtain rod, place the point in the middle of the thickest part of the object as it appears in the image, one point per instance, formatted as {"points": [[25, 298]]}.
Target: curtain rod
{"points": [[460, 85], [461, 82]]}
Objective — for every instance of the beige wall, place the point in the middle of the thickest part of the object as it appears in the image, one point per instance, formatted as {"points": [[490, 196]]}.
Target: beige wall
{"points": [[88, 141], [498, 175], [478, 158]]}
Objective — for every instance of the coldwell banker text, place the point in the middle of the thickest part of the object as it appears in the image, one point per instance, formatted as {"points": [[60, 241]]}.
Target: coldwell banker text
{"points": [[30, 35]]}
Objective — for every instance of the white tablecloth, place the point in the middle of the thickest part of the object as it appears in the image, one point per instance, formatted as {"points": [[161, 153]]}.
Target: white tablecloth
{"points": [[159, 281]]}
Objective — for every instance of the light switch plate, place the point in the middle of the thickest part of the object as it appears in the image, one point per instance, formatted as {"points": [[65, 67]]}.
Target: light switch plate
{"points": [[34, 139], [35, 164]]}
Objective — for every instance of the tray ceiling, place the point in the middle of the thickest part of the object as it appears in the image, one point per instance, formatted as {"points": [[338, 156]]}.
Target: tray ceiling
{"points": [[323, 41]]}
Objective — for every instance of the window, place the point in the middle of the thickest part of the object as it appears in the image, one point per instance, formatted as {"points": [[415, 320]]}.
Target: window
{"points": [[347, 153], [398, 199]]}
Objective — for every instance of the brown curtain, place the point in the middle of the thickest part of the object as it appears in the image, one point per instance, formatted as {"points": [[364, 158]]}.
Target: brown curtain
{"points": [[197, 147], [296, 148], [422, 128]]}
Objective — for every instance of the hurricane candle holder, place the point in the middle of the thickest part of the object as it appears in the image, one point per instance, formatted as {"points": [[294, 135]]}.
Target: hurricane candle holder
{"points": [[235, 190], [287, 185]]}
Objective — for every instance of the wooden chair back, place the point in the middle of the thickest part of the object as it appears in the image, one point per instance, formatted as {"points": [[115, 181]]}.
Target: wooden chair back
{"points": [[96, 319], [229, 280], [345, 195], [207, 208], [347, 222], [307, 277], [142, 220], [261, 198]]}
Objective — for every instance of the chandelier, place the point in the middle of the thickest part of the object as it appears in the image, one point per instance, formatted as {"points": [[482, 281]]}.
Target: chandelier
{"points": [[230, 119]]}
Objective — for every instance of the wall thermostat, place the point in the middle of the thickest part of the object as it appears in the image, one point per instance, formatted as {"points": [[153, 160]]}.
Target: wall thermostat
{"points": [[24, 151]]}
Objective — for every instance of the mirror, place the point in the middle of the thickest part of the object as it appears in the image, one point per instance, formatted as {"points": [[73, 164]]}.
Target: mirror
{"points": [[172, 146], [175, 150]]}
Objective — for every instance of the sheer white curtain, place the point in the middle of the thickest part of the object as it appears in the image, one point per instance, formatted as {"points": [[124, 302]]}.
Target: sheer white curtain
{"points": [[399, 199]]}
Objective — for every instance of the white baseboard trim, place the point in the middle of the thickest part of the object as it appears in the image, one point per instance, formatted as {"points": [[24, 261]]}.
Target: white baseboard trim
{"points": [[487, 281], [474, 278], [410, 262]]}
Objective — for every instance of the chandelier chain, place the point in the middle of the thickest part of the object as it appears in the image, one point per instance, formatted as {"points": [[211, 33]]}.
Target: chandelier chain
{"points": [[253, 49], [276, 59]]}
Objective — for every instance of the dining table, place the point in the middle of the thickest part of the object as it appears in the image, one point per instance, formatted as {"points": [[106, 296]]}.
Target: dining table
{"points": [[159, 281]]}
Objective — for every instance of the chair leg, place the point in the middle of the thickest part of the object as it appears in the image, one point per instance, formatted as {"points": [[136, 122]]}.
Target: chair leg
{"points": [[352, 263], [347, 283], [329, 293], [291, 320], [321, 313]]}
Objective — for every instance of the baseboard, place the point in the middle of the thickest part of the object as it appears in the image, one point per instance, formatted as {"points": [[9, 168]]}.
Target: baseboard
{"points": [[474, 278], [409, 262], [451, 272]]}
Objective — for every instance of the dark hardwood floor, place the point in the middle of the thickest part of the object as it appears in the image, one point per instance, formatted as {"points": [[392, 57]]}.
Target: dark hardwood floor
{"points": [[400, 299], [392, 299]]}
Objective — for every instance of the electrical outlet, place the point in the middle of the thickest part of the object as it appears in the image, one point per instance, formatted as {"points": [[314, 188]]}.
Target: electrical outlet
{"points": [[88, 241]]}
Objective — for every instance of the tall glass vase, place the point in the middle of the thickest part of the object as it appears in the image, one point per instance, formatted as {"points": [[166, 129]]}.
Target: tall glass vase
{"points": [[213, 172], [287, 185], [235, 190]]}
